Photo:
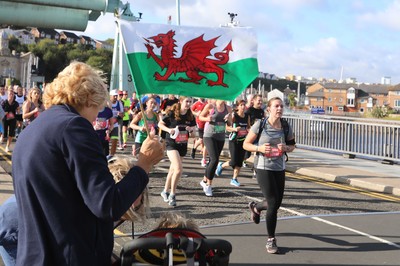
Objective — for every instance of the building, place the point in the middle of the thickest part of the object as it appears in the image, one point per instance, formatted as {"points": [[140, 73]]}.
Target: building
{"points": [[386, 80], [337, 98], [394, 97], [103, 45], [42, 33], [67, 37], [17, 66], [87, 41]]}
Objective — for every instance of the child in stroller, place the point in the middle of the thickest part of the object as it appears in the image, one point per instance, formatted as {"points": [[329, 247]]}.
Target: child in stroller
{"points": [[175, 240]]}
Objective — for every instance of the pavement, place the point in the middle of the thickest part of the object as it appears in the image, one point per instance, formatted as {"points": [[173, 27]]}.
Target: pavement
{"points": [[362, 173], [342, 240]]}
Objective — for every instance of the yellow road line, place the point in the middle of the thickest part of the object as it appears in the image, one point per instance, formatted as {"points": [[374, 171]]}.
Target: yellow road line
{"points": [[4, 155], [345, 187]]}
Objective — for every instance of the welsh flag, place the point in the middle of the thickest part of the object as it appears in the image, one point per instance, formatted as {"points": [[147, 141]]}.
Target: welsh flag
{"points": [[216, 63]]}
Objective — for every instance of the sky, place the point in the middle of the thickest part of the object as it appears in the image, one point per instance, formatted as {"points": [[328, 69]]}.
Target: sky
{"points": [[309, 38]]}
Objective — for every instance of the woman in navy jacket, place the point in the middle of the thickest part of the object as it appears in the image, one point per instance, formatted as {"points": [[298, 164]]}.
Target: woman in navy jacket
{"points": [[66, 195]]}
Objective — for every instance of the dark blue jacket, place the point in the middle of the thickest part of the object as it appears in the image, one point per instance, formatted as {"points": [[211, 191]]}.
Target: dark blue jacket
{"points": [[66, 195]]}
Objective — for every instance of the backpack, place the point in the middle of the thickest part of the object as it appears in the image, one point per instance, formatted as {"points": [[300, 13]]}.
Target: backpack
{"points": [[285, 126]]}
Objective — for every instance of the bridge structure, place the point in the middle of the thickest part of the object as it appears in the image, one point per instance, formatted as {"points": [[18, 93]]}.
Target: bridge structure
{"points": [[371, 138], [73, 15]]}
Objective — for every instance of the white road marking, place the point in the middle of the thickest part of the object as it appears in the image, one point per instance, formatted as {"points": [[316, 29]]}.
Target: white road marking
{"points": [[344, 227]]}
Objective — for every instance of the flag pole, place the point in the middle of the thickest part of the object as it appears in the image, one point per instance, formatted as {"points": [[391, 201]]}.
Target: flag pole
{"points": [[178, 12]]}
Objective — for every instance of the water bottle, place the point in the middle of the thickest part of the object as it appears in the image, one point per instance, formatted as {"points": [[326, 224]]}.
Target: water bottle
{"points": [[233, 135]]}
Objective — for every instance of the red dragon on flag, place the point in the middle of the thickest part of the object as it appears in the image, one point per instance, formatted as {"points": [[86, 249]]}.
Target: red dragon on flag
{"points": [[194, 59]]}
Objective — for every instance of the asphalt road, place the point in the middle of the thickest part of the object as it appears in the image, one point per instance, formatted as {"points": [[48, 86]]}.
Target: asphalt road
{"points": [[304, 196], [229, 204]]}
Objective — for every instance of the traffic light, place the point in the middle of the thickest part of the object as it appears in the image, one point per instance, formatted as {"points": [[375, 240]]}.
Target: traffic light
{"points": [[60, 14]]}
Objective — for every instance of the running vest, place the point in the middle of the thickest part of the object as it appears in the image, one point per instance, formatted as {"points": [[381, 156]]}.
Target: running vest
{"points": [[216, 128], [20, 100], [116, 107]]}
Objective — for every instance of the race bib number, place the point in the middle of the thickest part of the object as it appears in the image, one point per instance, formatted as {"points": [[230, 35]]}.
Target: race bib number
{"points": [[182, 137], [151, 124], [242, 132], [219, 127], [10, 116], [275, 153], [100, 124]]}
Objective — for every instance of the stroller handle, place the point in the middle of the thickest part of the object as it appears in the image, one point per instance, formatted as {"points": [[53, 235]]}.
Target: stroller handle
{"points": [[221, 247]]}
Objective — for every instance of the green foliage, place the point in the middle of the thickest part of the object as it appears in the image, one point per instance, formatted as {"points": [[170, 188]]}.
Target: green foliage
{"points": [[56, 57], [379, 112], [15, 45], [110, 41], [101, 62], [292, 99]]}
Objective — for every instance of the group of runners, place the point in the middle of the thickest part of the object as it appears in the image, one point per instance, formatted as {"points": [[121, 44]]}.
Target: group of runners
{"points": [[251, 129], [177, 120]]}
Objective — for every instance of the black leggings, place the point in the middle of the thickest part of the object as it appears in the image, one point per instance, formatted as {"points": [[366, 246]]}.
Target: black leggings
{"points": [[214, 148], [237, 153], [9, 128], [272, 184]]}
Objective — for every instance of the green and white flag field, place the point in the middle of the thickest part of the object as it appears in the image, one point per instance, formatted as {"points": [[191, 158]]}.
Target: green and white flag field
{"points": [[217, 63]]}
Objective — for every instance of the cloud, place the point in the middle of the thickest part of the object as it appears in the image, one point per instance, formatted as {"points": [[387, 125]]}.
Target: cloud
{"points": [[302, 37], [389, 17]]}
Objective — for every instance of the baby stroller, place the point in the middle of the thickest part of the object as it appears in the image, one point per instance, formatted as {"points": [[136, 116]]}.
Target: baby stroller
{"points": [[175, 246]]}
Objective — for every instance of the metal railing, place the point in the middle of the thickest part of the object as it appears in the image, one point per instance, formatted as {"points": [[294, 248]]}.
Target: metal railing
{"points": [[373, 138]]}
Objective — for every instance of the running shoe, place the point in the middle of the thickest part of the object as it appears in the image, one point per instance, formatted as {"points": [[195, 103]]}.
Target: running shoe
{"points": [[208, 191], [193, 153], [219, 169], [235, 183], [120, 148], [7, 149], [203, 162], [271, 246], [206, 188], [254, 215], [203, 185], [124, 146], [165, 196], [172, 200]]}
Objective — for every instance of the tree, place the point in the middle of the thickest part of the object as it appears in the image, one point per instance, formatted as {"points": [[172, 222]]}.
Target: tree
{"points": [[292, 99], [101, 59], [56, 57], [15, 45], [379, 112]]}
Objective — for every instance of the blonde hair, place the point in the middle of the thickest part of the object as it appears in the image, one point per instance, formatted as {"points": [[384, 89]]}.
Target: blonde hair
{"points": [[176, 220], [29, 96], [119, 167], [78, 85]]}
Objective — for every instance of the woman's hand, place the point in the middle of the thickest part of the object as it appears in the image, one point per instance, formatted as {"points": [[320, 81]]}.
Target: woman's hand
{"points": [[189, 129], [264, 148], [151, 152]]}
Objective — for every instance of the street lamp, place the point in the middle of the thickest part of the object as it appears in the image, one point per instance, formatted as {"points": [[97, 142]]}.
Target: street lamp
{"points": [[232, 16], [232, 23]]}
